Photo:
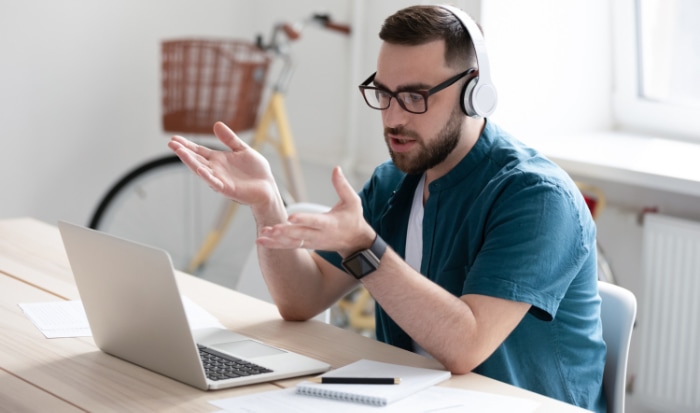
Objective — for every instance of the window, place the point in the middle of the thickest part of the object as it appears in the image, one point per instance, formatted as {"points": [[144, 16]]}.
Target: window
{"points": [[657, 61], [669, 50]]}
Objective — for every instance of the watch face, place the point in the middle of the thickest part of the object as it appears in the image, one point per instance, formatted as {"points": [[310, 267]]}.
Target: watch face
{"points": [[359, 265]]}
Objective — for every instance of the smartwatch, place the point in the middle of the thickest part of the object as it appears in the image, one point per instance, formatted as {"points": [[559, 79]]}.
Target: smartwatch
{"points": [[364, 262]]}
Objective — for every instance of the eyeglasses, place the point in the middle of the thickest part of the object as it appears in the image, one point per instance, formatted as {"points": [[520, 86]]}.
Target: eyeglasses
{"points": [[413, 101]]}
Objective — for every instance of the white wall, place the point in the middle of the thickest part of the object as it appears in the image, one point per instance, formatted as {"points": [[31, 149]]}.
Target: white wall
{"points": [[80, 97], [551, 63]]}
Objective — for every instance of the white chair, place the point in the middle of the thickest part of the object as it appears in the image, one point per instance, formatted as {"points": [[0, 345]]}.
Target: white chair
{"points": [[618, 312], [251, 281]]}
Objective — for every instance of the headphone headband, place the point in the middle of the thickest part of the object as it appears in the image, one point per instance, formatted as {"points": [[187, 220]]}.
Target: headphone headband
{"points": [[479, 95]]}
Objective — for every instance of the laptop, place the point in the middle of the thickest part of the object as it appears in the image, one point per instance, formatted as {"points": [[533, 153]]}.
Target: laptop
{"points": [[136, 313]]}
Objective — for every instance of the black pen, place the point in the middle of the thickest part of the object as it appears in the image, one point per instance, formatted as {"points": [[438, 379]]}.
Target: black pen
{"points": [[355, 380]]}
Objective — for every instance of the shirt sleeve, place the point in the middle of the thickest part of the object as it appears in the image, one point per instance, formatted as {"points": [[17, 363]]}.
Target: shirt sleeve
{"points": [[536, 240]]}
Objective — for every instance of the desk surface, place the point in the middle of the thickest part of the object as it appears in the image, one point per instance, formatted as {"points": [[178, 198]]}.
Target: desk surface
{"points": [[71, 374]]}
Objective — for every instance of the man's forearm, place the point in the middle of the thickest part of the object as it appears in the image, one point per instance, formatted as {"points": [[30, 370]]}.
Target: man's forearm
{"points": [[460, 332]]}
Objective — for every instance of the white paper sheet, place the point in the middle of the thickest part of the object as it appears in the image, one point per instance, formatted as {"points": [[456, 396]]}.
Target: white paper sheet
{"points": [[57, 319], [435, 399]]}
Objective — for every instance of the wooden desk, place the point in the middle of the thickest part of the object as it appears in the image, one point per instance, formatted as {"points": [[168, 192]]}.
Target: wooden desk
{"points": [[71, 374]]}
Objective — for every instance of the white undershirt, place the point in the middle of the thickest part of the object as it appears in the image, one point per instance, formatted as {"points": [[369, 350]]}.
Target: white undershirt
{"points": [[414, 234], [414, 241]]}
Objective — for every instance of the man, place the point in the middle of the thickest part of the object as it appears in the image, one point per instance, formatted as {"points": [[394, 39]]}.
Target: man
{"points": [[491, 259]]}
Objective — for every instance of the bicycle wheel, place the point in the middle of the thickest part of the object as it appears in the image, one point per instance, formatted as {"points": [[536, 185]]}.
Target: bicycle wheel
{"points": [[163, 204]]}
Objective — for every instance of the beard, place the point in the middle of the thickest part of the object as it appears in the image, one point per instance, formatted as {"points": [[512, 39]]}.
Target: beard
{"points": [[429, 155]]}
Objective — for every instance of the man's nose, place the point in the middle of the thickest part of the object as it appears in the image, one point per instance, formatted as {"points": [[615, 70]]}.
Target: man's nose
{"points": [[394, 115]]}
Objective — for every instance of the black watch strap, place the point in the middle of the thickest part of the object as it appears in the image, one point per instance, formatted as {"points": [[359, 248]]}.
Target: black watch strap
{"points": [[364, 262]]}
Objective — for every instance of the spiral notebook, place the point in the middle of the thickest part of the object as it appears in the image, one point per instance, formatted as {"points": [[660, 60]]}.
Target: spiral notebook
{"points": [[413, 379]]}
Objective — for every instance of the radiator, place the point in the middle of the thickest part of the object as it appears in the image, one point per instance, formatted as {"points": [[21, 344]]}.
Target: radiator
{"points": [[669, 315]]}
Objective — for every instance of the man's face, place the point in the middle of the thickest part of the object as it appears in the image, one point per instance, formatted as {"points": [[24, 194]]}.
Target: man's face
{"points": [[418, 142]]}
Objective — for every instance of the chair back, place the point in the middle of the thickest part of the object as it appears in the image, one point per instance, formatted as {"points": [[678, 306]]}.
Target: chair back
{"points": [[618, 311]]}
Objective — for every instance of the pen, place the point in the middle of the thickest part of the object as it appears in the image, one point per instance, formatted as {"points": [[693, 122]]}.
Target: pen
{"points": [[355, 380]]}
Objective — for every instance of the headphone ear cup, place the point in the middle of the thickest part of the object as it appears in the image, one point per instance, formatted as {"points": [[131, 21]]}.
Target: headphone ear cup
{"points": [[483, 99], [468, 96]]}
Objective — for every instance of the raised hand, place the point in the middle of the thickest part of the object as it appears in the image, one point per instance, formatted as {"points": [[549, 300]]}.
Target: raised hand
{"points": [[341, 229], [241, 174]]}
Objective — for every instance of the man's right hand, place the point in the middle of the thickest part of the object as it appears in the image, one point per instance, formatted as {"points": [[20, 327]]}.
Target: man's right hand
{"points": [[242, 174]]}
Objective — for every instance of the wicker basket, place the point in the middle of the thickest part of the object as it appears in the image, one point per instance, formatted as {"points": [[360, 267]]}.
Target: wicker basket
{"points": [[205, 81]]}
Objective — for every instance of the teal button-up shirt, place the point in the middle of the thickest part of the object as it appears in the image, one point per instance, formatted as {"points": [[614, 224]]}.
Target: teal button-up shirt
{"points": [[508, 223]]}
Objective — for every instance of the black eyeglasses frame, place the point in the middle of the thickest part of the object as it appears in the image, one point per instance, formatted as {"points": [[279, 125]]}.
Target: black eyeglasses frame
{"points": [[364, 86]]}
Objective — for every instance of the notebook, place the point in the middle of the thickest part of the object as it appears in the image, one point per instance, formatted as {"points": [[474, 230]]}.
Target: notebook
{"points": [[135, 312], [413, 379]]}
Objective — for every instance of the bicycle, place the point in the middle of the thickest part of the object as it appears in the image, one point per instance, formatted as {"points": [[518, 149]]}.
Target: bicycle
{"points": [[160, 202]]}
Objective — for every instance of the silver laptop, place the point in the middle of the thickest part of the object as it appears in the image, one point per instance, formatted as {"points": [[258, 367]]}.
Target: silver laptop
{"points": [[136, 313]]}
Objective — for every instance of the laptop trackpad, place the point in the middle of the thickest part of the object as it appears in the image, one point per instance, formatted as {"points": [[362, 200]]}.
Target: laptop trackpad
{"points": [[246, 349]]}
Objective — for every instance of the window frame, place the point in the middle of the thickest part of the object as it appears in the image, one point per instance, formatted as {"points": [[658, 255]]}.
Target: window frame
{"points": [[631, 113]]}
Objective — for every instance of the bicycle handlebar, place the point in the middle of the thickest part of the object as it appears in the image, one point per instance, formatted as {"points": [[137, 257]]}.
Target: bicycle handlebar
{"points": [[342, 28], [326, 22], [292, 32], [285, 33]]}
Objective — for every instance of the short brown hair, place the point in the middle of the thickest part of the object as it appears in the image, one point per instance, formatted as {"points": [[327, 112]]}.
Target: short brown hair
{"points": [[417, 25]]}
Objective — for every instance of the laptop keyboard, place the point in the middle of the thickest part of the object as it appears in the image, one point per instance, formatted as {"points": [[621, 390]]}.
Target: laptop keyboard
{"points": [[220, 366]]}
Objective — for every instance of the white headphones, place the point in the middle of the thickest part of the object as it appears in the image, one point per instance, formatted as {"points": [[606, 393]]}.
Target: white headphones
{"points": [[479, 95]]}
